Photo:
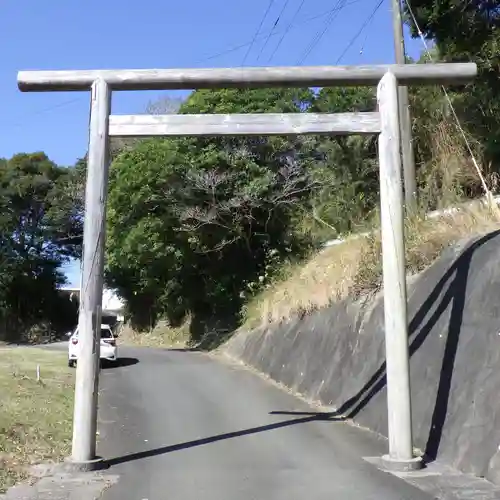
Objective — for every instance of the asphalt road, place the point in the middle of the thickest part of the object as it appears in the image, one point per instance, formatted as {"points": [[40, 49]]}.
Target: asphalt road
{"points": [[181, 425]]}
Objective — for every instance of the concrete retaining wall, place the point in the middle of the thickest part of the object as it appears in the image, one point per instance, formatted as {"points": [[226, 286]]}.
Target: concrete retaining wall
{"points": [[336, 356]]}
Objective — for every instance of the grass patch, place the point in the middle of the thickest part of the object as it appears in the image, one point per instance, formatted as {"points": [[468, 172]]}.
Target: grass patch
{"points": [[354, 268], [35, 416]]}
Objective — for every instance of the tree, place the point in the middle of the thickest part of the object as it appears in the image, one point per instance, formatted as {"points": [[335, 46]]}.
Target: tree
{"points": [[197, 225], [208, 214], [345, 167], [468, 31], [459, 29], [38, 210], [37, 221], [191, 229], [164, 106]]}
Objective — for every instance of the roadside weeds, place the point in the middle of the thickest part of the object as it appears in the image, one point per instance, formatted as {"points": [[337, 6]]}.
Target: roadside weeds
{"points": [[161, 336]]}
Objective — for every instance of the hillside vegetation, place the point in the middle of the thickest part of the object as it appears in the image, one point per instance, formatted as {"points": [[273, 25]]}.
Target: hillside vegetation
{"points": [[209, 235], [354, 268]]}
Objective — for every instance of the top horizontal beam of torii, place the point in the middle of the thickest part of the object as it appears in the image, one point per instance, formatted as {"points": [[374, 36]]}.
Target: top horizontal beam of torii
{"points": [[207, 78]]}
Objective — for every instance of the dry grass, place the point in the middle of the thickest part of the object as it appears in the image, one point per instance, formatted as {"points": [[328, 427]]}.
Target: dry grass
{"points": [[354, 268], [162, 335], [326, 277], [35, 416]]}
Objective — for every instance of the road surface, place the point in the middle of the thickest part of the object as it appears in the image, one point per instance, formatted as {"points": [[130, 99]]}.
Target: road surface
{"points": [[184, 426]]}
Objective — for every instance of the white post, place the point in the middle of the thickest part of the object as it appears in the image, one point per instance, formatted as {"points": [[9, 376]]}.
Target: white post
{"points": [[394, 277], [87, 372]]}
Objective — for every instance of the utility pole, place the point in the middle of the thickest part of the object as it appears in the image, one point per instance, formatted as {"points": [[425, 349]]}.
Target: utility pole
{"points": [[409, 174], [83, 454]]}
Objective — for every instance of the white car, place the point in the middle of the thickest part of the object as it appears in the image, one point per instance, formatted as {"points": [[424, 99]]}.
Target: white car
{"points": [[108, 349]]}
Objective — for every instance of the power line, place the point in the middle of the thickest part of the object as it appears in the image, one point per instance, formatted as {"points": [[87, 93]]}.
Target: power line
{"points": [[368, 20], [363, 43], [273, 28], [235, 48], [46, 110], [258, 31], [287, 29], [277, 32], [319, 34]]}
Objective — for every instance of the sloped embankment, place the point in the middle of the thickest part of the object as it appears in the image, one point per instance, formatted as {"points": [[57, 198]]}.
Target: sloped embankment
{"points": [[336, 356]]}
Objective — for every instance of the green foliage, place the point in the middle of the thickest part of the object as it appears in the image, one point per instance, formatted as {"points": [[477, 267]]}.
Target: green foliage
{"points": [[197, 226], [464, 28], [345, 167], [248, 101], [468, 31], [38, 219], [190, 227]]}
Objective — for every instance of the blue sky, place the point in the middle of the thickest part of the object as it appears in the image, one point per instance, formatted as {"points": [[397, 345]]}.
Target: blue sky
{"points": [[91, 34]]}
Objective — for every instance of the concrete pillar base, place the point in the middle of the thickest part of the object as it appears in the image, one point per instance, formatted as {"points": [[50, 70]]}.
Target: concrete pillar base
{"points": [[97, 463], [399, 465]]}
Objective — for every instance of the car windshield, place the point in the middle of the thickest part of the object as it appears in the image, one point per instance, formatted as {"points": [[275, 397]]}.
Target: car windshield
{"points": [[105, 333]]}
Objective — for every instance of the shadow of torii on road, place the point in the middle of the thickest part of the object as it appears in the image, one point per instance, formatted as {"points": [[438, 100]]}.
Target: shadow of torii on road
{"points": [[309, 417], [456, 278]]}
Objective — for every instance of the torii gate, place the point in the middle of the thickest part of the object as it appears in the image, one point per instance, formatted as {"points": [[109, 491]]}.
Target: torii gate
{"points": [[385, 122]]}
